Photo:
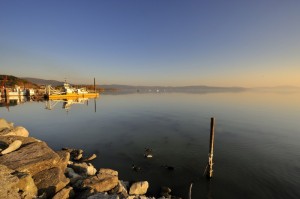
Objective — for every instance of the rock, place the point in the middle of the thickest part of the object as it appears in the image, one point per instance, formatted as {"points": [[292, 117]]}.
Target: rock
{"points": [[7, 140], [76, 154], [84, 168], [26, 184], [92, 157], [75, 179], [84, 194], [50, 181], [71, 173], [4, 131], [32, 158], [108, 171], [148, 153], [104, 181], [5, 125], [64, 158], [16, 184], [165, 192], [120, 189], [12, 147], [65, 193], [103, 196], [8, 183], [132, 197], [19, 131], [139, 188]]}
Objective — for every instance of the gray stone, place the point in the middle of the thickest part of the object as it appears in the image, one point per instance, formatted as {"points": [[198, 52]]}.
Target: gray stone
{"points": [[103, 196], [139, 188], [84, 168], [71, 173]]}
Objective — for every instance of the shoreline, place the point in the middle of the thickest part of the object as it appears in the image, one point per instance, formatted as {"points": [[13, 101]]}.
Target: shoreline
{"points": [[29, 168]]}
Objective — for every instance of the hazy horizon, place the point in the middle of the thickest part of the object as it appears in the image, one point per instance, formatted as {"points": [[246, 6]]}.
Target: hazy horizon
{"points": [[146, 43]]}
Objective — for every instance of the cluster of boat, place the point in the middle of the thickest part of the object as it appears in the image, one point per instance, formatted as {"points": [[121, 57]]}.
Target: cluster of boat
{"points": [[68, 92], [16, 91]]}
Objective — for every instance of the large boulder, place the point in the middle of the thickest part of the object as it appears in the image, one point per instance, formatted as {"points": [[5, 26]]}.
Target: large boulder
{"points": [[139, 188], [50, 181], [32, 158], [106, 180], [16, 184]]}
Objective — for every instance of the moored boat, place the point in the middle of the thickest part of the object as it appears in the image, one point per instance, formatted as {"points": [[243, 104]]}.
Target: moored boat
{"points": [[68, 92]]}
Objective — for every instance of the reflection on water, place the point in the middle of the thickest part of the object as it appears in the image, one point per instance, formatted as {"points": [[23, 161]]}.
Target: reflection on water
{"points": [[66, 103], [256, 139], [13, 101]]}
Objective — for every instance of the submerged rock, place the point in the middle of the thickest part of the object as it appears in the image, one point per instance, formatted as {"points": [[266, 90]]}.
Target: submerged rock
{"points": [[148, 153], [165, 192]]}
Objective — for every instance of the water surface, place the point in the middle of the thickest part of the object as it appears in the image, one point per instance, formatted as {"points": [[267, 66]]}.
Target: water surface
{"points": [[257, 151]]}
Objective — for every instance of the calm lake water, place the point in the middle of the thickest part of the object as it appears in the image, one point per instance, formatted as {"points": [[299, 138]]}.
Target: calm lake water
{"points": [[257, 139]]}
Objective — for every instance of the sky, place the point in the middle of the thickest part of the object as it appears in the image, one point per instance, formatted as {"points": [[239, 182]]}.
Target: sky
{"points": [[153, 42]]}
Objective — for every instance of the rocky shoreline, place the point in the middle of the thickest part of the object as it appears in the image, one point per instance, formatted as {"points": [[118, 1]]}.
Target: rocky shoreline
{"points": [[31, 169]]}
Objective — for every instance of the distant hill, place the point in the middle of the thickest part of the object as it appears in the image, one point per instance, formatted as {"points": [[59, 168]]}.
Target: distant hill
{"points": [[43, 81], [11, 81], [185, 89]]}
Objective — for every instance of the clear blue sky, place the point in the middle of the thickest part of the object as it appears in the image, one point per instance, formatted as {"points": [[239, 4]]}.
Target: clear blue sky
{"points": [[153, 42]]}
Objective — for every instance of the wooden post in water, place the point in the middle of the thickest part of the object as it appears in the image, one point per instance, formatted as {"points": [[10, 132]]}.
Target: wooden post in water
{"points": [[94, 85], [211, 148]]}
